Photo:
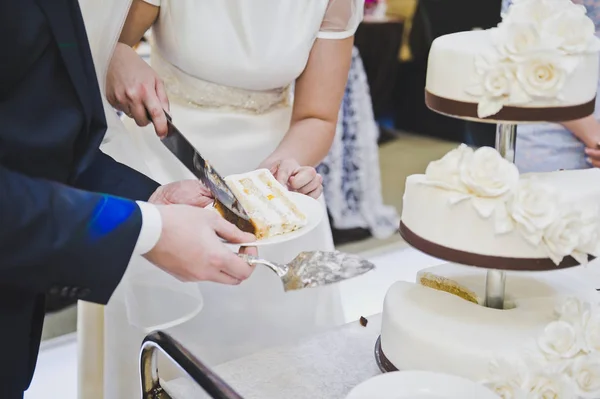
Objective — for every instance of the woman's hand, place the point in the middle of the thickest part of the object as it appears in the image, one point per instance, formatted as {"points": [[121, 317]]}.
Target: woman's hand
{"points": [[133, 87], [587, 130], [302, 179], [593, 154], [184, 192]]}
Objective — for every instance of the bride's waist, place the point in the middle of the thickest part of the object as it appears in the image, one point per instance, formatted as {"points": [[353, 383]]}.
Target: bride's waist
{"points": [[191, 91]]}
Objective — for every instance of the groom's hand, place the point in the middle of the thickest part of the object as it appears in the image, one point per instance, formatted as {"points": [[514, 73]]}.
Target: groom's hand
{"points": [[185, 192], [190, 249]]}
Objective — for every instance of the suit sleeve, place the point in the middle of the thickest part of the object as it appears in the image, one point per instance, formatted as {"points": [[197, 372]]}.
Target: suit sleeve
{"points": [[108, 176], [58, 239]]}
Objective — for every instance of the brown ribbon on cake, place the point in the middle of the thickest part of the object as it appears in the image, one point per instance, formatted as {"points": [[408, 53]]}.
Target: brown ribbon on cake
{"points": [[508, 113], [485, 261]]}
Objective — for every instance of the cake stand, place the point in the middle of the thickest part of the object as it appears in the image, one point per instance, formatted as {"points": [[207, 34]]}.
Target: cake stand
{"points": [[506, 134]]}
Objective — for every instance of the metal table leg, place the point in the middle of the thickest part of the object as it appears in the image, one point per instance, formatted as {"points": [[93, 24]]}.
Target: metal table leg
{"points": [[188, 363]]}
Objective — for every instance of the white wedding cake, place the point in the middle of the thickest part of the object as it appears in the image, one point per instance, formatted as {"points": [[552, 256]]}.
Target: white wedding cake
{"points": [[539, 64], [472, 207]]}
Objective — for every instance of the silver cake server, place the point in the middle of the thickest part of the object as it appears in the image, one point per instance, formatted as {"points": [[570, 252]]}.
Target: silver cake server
{"points": [[315, 269], [195, 163]]}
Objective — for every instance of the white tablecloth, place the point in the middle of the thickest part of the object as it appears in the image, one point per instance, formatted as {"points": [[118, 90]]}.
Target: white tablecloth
{"points": [[326, 366]]}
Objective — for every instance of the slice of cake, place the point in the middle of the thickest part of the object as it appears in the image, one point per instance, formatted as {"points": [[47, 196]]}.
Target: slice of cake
{"points": [[271, 208]]}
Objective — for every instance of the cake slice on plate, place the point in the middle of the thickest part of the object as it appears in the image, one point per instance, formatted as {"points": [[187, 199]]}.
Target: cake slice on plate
{"points": [[271, 206]]}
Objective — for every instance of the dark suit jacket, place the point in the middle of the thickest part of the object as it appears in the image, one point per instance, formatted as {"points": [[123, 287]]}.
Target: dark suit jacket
{"points": [[65, 226]]}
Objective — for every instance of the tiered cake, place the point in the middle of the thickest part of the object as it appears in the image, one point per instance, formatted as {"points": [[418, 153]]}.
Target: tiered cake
{"points": [[474, 208]]}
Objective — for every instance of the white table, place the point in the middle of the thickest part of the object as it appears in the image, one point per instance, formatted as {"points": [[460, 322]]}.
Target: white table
{"points": [[325, 366], [328, 365]]}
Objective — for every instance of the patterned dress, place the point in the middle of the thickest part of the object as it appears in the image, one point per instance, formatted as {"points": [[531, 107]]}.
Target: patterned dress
{"points": [[547, 147], [351, 175]]}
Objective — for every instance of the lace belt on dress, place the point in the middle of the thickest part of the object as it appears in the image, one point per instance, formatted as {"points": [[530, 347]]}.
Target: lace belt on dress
{"points": [[184, 88]]}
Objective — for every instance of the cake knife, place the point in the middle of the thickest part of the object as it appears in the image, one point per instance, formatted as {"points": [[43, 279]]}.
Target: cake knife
{"points": [[315, 268], [195, 163]]}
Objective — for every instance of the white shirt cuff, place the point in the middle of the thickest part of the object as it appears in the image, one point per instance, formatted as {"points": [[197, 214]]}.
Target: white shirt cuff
{"points": [[151, 228]]}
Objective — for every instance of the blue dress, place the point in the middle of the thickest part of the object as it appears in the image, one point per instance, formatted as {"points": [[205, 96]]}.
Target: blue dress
{"points": [[548, 147]]}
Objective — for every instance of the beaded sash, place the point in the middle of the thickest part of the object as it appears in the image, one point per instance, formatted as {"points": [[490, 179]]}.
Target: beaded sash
{"points": [[184, 88]]}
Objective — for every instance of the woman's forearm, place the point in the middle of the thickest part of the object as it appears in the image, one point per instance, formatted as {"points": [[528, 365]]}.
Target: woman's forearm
{"points": [[140, 18], [587, 130], [308, 142], [317, 97]]}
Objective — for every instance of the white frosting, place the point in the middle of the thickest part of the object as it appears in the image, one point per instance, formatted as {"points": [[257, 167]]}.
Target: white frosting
{"points": [[543, 54], [475, 201], [426, 329], [266, 207]]}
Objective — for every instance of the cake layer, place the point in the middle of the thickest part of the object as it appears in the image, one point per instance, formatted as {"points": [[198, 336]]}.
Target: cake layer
{"points": [[429, 329], [451, 71], [540, 64], [503, 214], [271, 208]]}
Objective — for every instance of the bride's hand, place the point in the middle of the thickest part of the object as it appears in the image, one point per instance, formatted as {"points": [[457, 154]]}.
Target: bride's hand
{"points": [[133, 87], [303, 179]]}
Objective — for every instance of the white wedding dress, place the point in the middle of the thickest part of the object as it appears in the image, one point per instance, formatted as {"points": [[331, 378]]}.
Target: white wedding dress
{"points": [[228, 66]]}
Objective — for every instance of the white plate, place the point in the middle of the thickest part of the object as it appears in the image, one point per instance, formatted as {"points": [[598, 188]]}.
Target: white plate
{"points": [[314, 212], [419, 385]]}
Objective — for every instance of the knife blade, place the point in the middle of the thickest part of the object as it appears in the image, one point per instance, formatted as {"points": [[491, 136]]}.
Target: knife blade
{"points": [[195, 163]]}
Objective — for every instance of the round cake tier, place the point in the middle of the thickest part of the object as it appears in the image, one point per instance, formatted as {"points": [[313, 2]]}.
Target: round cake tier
{"points": [[456, 84], [451, 225], [479, 260], [435, 330]]}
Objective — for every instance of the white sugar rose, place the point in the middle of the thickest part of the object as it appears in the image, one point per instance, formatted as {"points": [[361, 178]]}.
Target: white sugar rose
{"points": [[497, 82], [564, 235], [516, 40], [560, 340], [554, 386], [574, 311], [488, 174], [495, 85], [506, 389], [445, 171], [533, 208], [541, 76], [507, 378], [592, 332], [570, 30], [535, 12], [585, 372], [590, 236]]}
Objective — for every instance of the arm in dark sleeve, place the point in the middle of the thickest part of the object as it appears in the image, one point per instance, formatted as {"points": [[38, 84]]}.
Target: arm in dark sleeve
{"points": [[108, 176], [54, 236]]}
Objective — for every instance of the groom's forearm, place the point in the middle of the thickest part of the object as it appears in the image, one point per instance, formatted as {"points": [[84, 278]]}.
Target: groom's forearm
{"points": [[141, 17], [55, 238]]}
